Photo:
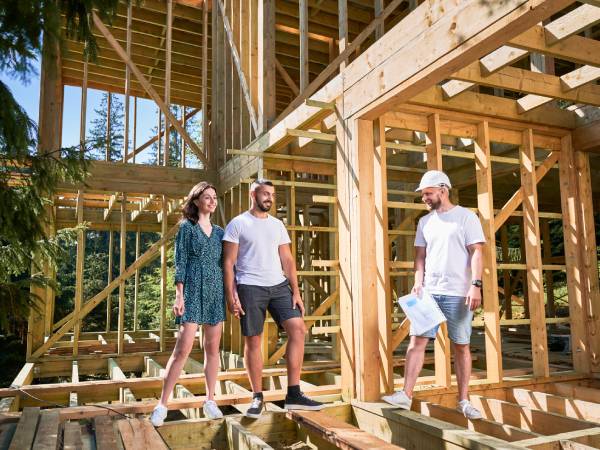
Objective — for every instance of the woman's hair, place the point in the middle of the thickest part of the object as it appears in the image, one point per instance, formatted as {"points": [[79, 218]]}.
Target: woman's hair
{"points": [[190, 210]]}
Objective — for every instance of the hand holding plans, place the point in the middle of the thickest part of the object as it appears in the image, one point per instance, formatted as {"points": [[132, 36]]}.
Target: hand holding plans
{"points": [[423, 312]]}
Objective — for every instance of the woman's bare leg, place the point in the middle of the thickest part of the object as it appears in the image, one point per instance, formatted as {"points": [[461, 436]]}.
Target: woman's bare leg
{"points": [[183, 347], [212, 339]]}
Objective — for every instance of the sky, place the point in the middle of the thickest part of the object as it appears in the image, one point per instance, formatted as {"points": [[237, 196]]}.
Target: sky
{"points": [[28, 96]]}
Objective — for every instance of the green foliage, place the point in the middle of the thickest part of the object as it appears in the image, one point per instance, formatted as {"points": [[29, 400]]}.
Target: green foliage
{"points": [[194, 129], [29, 176], [99, 136]]}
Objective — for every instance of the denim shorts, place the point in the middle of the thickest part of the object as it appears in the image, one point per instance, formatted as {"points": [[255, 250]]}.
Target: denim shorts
{"points": [[256, 300], [458, 319]]}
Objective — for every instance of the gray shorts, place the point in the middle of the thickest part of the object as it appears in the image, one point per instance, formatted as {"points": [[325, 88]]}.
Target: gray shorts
{"points": [[256, 300]]}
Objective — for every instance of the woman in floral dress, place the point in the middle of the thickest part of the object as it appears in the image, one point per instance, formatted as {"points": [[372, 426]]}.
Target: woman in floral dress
{"points": [[199, 299]]}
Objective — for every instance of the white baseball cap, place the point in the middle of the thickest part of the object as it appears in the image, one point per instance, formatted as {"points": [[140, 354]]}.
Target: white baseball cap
{"points": [[434, 178]]}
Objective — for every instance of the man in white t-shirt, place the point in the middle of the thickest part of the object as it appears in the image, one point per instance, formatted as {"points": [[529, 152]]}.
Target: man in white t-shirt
{"points": [[258, 246], [448, 265]]}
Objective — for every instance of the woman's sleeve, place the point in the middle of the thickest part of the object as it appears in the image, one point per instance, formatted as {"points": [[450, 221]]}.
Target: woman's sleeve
{"points": [[182, 246]]}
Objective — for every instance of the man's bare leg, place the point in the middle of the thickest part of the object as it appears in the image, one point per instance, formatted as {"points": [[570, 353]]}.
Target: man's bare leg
{"points": [[296, 331], [462, 366], [254, 361], [415, 355]]}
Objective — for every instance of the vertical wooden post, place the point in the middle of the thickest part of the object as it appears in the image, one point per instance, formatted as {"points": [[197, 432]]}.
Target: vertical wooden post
{"points": [[165, 209], [266, 63], [236, 104], [382, 280], [122, 267], [127, 86], [442, 352], [134, 128], [108, 131], [506, 274], [434, 146], [205, 145], [167, 99], [292, 214], [343, 29], [215, 122], [485, 205], [548, 274], [539, 340], [378, 6], [236, 336], [589, 257], [244, 49], [366, 223], [83, 110], [345, 198], [136, 286], [304, 78], [79, 273], [159, 141], [109, 278], [254, 56], [306, 259], [573, 241], [228, 94], [163, 274]]}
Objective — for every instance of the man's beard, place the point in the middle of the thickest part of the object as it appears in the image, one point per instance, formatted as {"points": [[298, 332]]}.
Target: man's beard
{"points": [[435, 204], [263, 207]]}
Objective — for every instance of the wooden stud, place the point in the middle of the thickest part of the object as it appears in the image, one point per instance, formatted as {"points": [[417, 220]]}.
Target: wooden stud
{"points": [[163, 273], [74, 379], [344, 207], [589, 257], [343, 31], [573, 241], [443, 371], [127, 85], [548, 275], [535, 288], [266, 64], [507, 286], [304, 76], [205, 128], [122, 267], [109, 278], [108, 127], [485, 205], [136, 286], [79, 272]]}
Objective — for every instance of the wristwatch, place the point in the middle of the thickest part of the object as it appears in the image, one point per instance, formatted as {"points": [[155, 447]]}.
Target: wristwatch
{"points": [[477, 283]]}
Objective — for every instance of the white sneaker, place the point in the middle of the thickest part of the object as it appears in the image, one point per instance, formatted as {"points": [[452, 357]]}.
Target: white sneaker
{"points": [[158, 415], [468, 410], [211, 410], [399, 399]]}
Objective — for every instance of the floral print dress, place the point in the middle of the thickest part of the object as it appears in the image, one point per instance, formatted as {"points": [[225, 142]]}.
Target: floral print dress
{"points": [[198, 265]]}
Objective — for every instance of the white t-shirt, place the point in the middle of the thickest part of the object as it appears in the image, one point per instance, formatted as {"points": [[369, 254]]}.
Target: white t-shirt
{"points": [[258, 261], [445, 237]]}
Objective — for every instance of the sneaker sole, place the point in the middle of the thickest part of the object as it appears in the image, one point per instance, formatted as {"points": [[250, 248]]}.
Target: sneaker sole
{"points": [[303, 407], [397, 405]]}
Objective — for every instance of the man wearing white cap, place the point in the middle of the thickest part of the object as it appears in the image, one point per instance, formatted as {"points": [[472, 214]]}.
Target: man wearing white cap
{"points": [[448, 264]]}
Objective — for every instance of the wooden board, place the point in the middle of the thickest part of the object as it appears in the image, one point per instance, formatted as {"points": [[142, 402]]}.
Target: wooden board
{"points": [[337, 432], [25, 432], [138, 434]]}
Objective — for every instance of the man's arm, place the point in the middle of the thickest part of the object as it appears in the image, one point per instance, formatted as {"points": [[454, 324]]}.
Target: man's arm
{"points": [[230, 252], [474, 295], [289, 269], [420, 253]]}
